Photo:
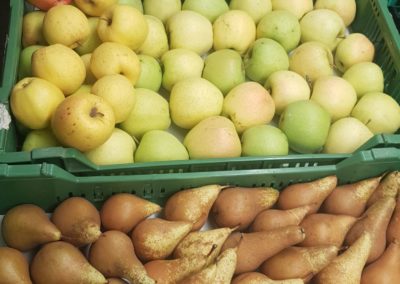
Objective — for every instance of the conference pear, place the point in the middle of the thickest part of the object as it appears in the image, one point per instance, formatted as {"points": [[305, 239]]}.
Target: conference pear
{"points": [[259, 278], [389, 186], [393, 230], [14, 267]]}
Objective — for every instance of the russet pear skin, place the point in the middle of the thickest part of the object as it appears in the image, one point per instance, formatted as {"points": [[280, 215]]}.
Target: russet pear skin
{"points": [[14, 267], [259, 278], [393, 230], [388, 186]]}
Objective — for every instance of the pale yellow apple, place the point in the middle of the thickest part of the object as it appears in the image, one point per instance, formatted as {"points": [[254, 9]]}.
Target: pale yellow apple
{"points": [[60, 65], [65, 24], [123, 24], [190, 30], [92, 41], [32, 24], [162, 9], [234, 29], [94, 7], [119, 92], [211, 9], [83, 121], [83, 89], [115, 58], [355, 48], [119, 148], [248, 104], [156, 42], [39, 138], [33, 101], [297, 7], [151, 111], [256, 8], [334, 94], [89, 78], [345, 8]]}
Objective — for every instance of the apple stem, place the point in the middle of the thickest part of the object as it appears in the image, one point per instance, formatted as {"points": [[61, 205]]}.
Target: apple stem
{"points": [[94, 112]]}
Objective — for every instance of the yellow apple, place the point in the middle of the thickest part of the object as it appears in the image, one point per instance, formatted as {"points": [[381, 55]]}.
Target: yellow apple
{"points": [[65, 24], [83, 121], [92, 41], [39, 138], [94, 7], [115, 58], [59, 65], [32, 24], [345, 8], [89, 78], [297, 7], [256, 8], [33, 101], [119, 92], [156, 42], [162, 9], [118, 149], [123, 24], [83, 89]]}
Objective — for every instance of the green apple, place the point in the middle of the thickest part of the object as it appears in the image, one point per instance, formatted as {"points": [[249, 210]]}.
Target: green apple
{"points": [[59, 65], [322, 25], [162, 9], [234, 29], [160, 145], [119, 148], [225, 69], [298, 7], [94, 7], [156, 42], [83, 121], [123, 24], [306, 125], [355, 48], [118, 91], [264, 140], [106, 60], [134, 3], [39, 138], [311, 60], [264, 57], [179, 64], [213, 137], [365, 77], [92, 41], [334, 94], [379, 112], [282, 26], [33, 102], [190, 30], [248, 104], [346, 135], [32, 24], [286, 87], [25, 66], [151, 111], [210, 9], [150, 73], [65, 24], [345, 8], [192, 100], [256, 8]]}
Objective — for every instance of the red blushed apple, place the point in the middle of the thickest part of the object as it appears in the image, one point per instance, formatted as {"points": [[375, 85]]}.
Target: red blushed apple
{"points": [[47, 4]]}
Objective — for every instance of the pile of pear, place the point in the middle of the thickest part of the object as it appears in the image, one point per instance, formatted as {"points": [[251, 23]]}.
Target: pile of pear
{"points": [[127, 81], [316, 231]]}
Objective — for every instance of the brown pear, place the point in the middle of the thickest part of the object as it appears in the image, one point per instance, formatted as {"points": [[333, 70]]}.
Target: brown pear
{"points": [[254, 248], [26, 226], [393, 230], [123, 211], [384, 270], [220, 272], [308, 193], [113, 255], [389, 186], [78, 220], [115, 281], [259, 278], [348, 266], [299, 262], [275, 218], [61, 262], [14, 267], [238, 206], [375, 221], [169, 271], [203, 243], [156, 238], [192, 205], [350, 199], [326, 229]]}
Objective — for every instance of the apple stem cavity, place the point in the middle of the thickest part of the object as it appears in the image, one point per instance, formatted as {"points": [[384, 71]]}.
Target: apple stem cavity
{"points": [[94, 112]]}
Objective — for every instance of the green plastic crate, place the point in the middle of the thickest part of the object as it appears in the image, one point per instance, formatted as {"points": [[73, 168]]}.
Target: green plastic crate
{"points": [[373, 18]]}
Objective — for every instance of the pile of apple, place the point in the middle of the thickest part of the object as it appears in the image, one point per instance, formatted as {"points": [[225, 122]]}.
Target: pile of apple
{"points": [[311, 232], [128, 80]]}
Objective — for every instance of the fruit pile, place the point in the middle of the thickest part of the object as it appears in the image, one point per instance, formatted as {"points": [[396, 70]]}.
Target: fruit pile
{"points": [[125, 81], [315, 231]]}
